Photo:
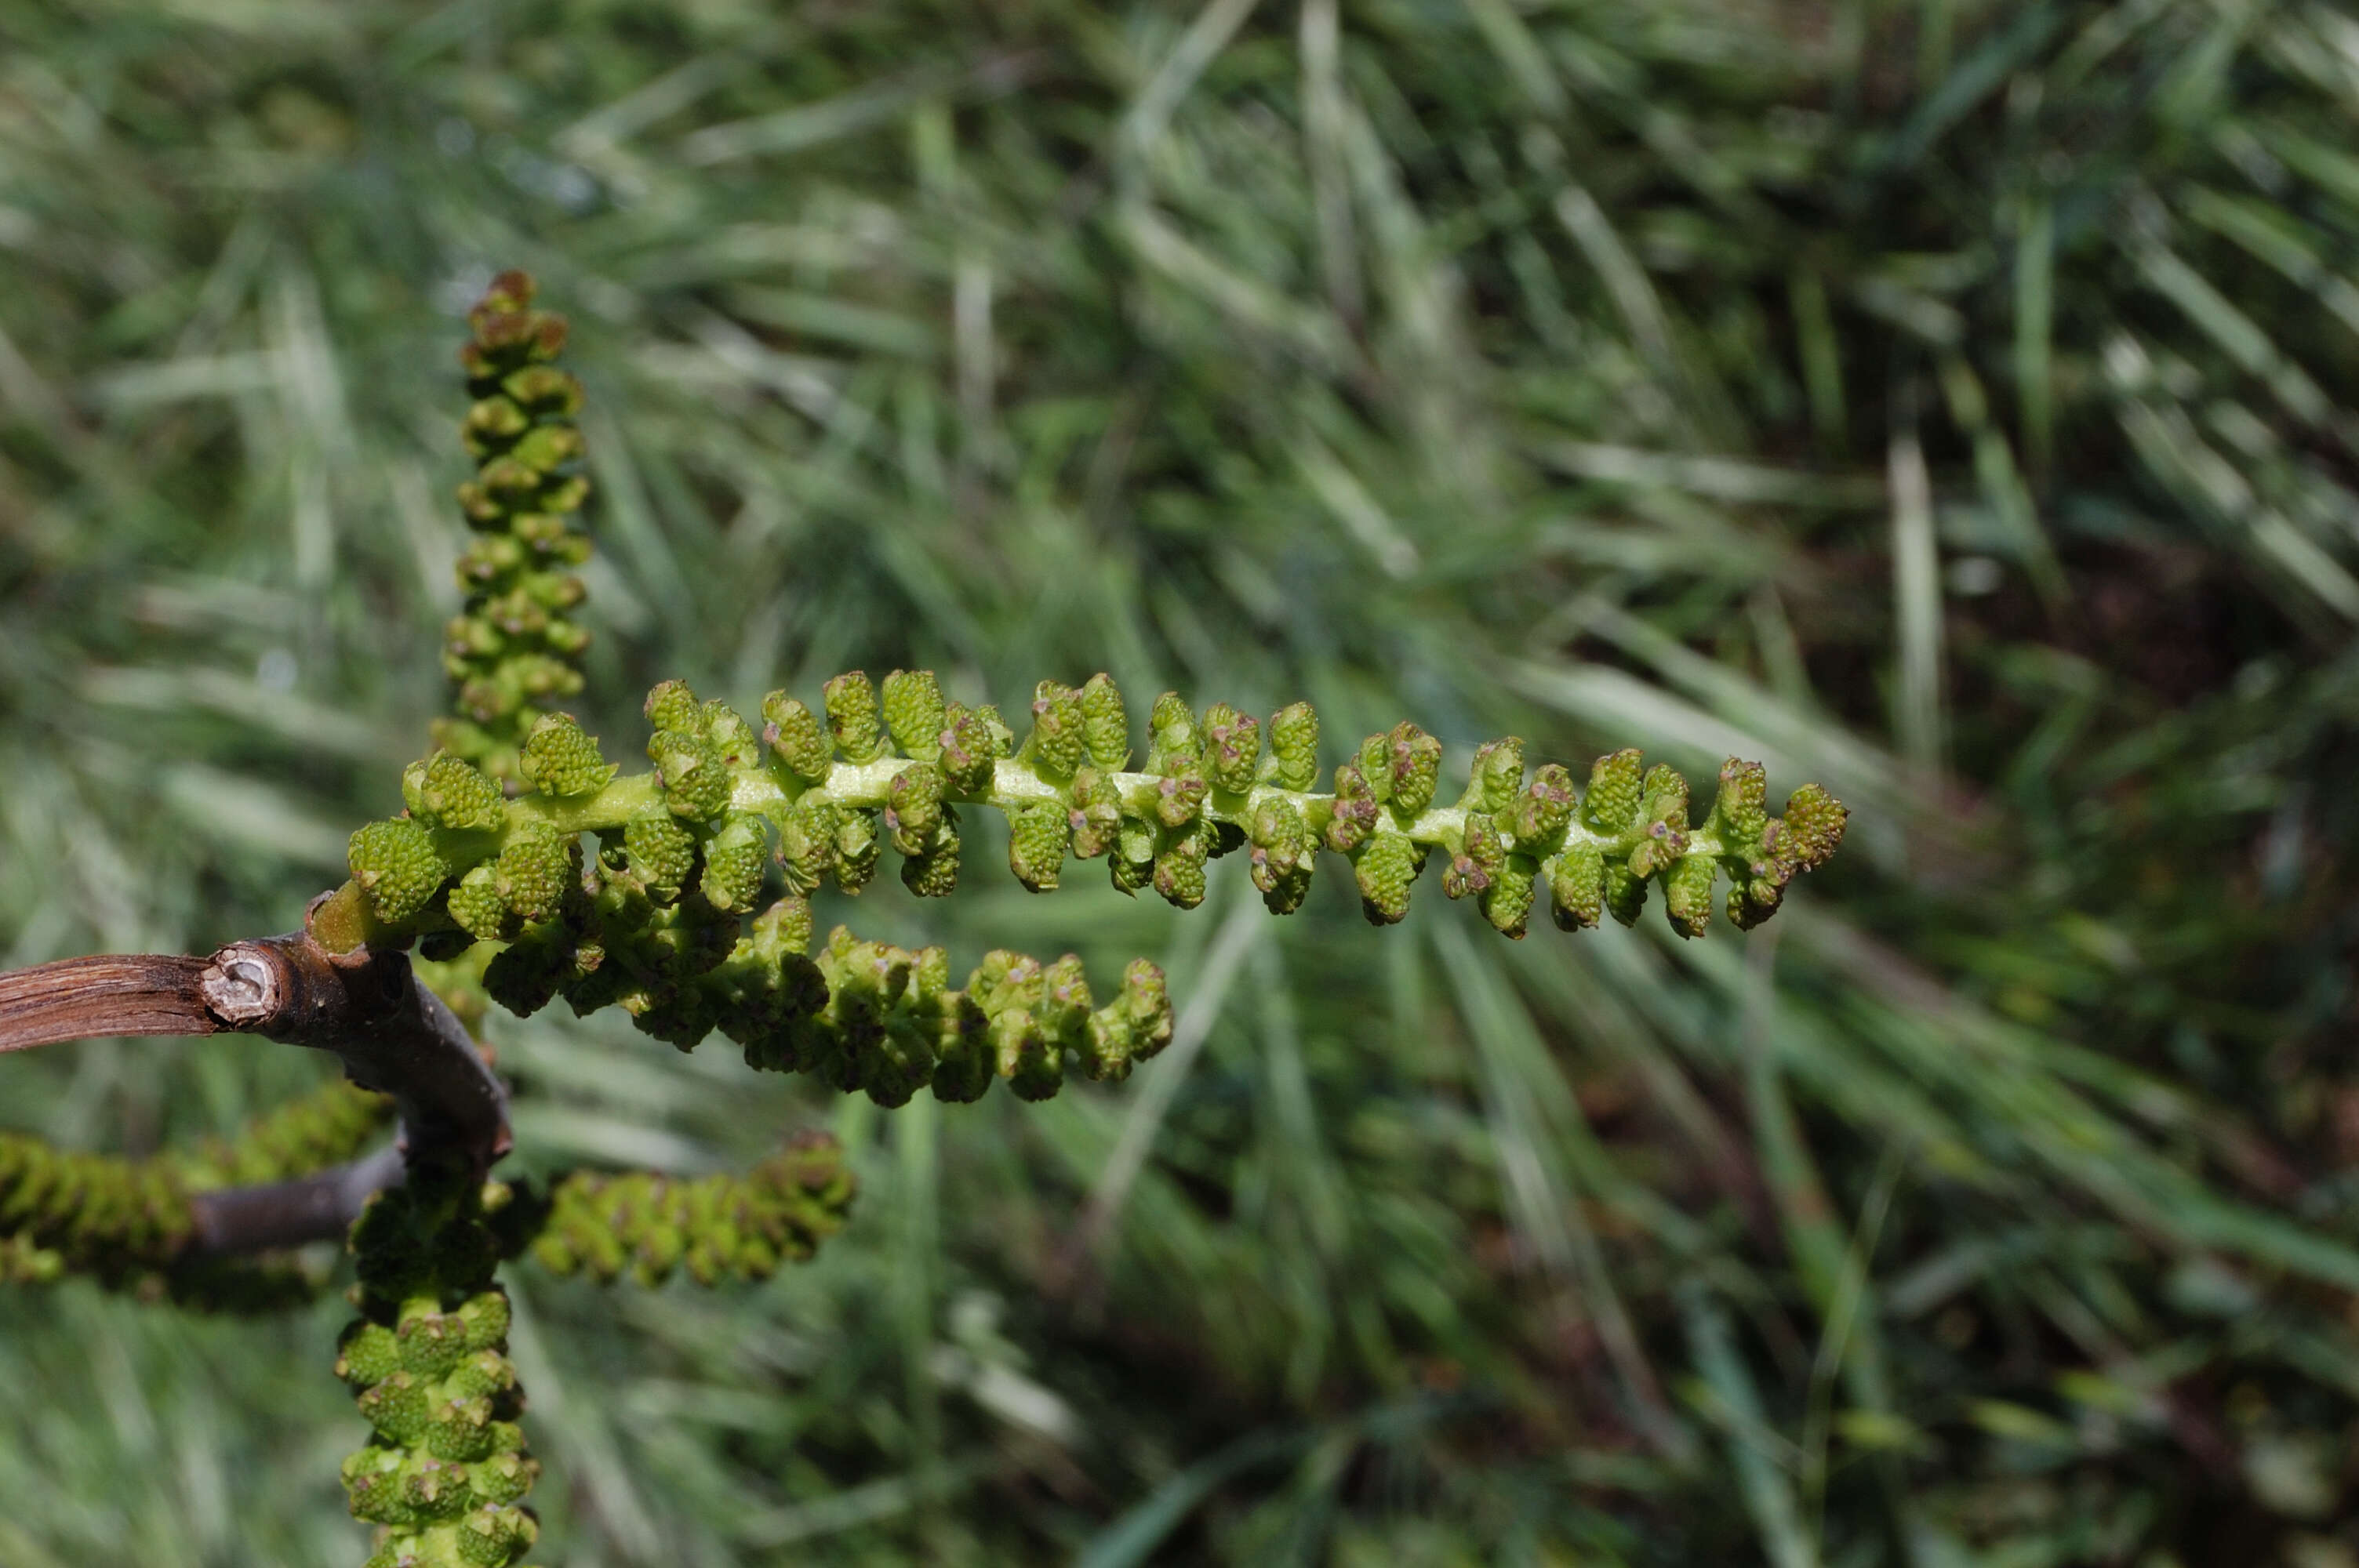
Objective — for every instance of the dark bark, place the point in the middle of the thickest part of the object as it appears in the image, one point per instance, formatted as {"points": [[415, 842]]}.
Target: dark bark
{"points": [[318, 1208], [367, 1006]]}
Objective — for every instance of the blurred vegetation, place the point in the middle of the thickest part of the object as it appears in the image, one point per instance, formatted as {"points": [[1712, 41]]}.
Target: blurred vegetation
{"points": [[1950, 402]]}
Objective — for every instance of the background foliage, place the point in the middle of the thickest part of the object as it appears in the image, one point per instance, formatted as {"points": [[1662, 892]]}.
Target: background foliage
{"points": [[1949, 401]]}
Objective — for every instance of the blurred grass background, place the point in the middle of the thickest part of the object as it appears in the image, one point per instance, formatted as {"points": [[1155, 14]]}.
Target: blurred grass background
{"points": [[1949, 401]]}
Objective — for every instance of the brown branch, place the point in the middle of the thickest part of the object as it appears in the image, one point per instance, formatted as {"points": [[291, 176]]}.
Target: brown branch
{"points": [[367, 1006], [393, 1034], [84, 998], [318, 1208]]}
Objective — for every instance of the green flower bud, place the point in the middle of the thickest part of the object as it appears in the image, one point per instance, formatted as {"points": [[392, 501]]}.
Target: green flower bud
{"points": [[1385, 866], [533, 872], [1171, 730], [915, 713], [1355, 814], [1181, 795], [856, 849], [1496, 776], [692, 771], [1625, 893], [444, 792], [967, 750], [367, 1353], [1539, 815], [793, 735], [1687, 894], [560, 759], [1096, 817], [1506, 903], [734, 861], [1813, 826], [1232, 747], [1133, 863], [477, 904], [662, 854], [1282, 854], [963, 1065], [1036, 843], [727, 729], [914, 806], [1416, 762], [397, 867], [1105, 726], [671, 705], [807, 842], [852, 716], [1740, 813], [1577, 885], [1055, 745], [932, 871], [1294, 746], [1612, 803], [1180, 868], [1374, 761]]}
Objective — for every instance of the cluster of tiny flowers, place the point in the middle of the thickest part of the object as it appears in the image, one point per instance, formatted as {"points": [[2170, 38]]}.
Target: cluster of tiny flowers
{"points": [[659, 917], [513, 652], [719, 1227], [445, 1467]]}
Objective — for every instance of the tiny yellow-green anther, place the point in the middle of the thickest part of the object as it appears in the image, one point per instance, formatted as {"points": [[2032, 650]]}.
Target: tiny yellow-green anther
{"points": [[915, 712], [1385, 867], [1055, 745], [444, 791], [735, 859], [532, 873], [1577, 887], [477, 904], [671, 705], [1294, 746], [794, 736], [1037, 836], [662, 853], [692, 771], [1171, 727], [913, 807], [852, 716], [1105, 726], [727, 729], [1232, 747], [397, 867], [1611, 806], [561, 759]]}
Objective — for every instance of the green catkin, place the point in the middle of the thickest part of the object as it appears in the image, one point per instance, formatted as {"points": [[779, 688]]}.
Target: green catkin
{"points": [[715, 1227], [660, 922], [512, 650], [445, 1469]]}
